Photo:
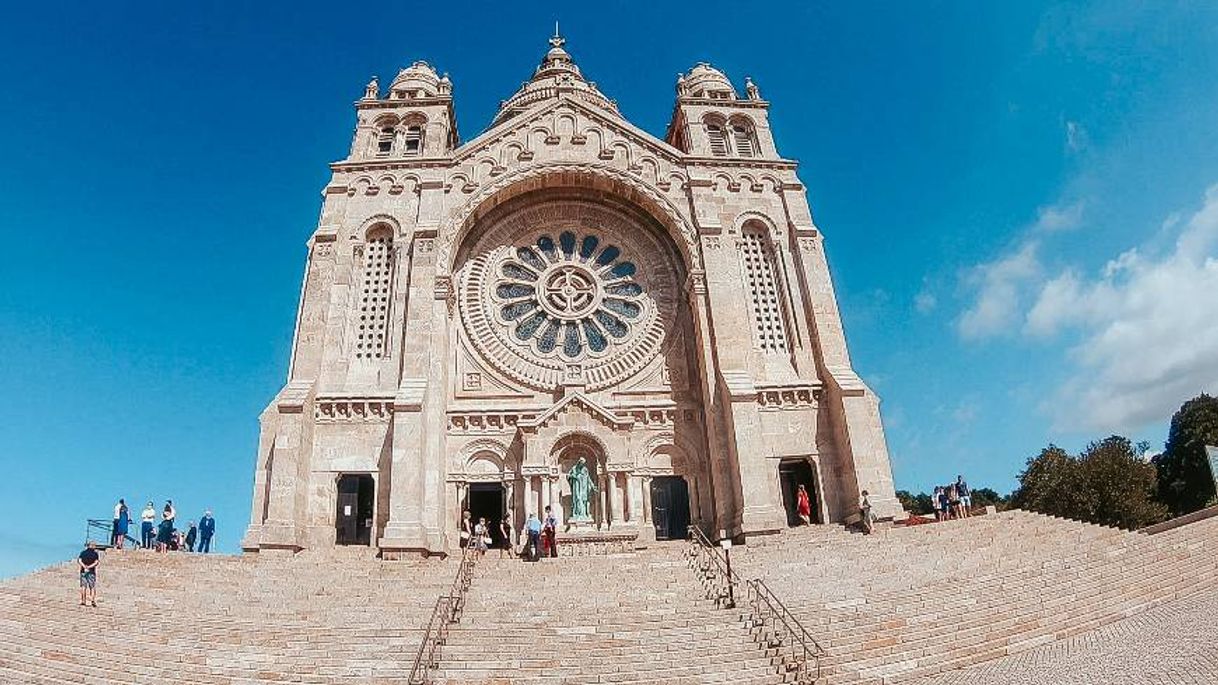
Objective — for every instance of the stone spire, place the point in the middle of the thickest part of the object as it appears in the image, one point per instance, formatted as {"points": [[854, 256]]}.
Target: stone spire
{"points": [[556, 75]]}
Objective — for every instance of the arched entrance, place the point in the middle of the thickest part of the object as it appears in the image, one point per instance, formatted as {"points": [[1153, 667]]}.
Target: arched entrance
{"points": [[793, 473], [670, 507], [356, 502]]}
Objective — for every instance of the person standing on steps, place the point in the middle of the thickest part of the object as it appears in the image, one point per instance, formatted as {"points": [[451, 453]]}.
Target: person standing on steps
{"points": [[169, 513], [481, 535], [505, 530], [865, 512], [532, 528], [88, 561], [551, 531], [966, 496], [467, 528], [192, 533], [147, 521], [803, 506], [164, 532], [207, 528], [122, 519]]}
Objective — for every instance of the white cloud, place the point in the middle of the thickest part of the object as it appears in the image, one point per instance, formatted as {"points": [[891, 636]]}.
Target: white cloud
{"points": [[999, 285], [1147, 326], [925, 301], [1076, 136], [1059, 218]]}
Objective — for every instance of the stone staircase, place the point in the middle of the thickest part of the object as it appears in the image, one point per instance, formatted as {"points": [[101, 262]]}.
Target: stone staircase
{"points": [[907, 603], [176, 618], [625, 619], [896, 607]]}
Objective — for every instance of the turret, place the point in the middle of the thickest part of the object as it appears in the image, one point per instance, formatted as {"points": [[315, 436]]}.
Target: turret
{"points": [[710, 120], [416, 119]]}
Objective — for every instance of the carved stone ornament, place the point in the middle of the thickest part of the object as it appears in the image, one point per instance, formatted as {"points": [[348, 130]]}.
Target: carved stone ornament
{"points": [[567, 288]]}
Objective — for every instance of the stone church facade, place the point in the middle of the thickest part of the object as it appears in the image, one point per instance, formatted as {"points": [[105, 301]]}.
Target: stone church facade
{"points": [[477, 316]]}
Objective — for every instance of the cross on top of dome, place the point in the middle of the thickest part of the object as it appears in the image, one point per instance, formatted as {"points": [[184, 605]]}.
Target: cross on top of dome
{"points": [[557, 74]]}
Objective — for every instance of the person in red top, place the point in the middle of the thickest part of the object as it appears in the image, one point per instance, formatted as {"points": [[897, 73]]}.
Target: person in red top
{"points": [[803, 506]]}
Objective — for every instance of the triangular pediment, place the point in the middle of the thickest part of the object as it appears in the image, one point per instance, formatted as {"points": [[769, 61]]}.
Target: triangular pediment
{"points": [[577, 401], [542, 115]]}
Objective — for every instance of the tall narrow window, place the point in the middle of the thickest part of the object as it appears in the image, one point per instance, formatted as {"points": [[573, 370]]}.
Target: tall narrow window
{"points": [[761, 277], [414, 140], [718, 140], [371, 339], [742, 139], [384, 141]]}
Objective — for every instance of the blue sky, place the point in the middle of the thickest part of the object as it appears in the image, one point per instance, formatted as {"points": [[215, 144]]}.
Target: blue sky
{"points": [[1016, 199]]}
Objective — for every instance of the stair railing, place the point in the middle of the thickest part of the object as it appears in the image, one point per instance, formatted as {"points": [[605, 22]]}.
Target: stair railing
{"points": [[101, 533], [771, 624], [777, 628], [446, 612], [710, 565]]}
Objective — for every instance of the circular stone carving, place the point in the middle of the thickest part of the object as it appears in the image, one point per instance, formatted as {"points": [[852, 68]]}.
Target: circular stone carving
{"points": [[567, 291]]}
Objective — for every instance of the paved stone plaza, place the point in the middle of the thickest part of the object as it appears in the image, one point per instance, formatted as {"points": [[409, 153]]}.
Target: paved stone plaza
{"points": [[1175, 644]]}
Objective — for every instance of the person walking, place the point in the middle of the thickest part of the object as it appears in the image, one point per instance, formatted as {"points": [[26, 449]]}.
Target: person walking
{"points": [[532, 527], [803, 505], [122, 519], [207, 528], [865, 512], [505, 530], [147, 523], [551, 532], [192, 533], [88, 561]]}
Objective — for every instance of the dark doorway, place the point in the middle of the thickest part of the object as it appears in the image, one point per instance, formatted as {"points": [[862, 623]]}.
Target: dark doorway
{"points": [[670, 507], [353, 522], [791, 475], [486, 501]]}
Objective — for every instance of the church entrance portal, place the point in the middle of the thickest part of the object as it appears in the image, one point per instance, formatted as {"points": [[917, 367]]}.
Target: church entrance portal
{"points": [[486, 501], [353, 521], [792, 474], [670, 507]]}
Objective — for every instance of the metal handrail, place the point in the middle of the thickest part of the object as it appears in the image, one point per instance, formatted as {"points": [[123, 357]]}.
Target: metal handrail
{"points": [[104, 530], [447, 611], [711, 566], [776, 626], [784, 629]]}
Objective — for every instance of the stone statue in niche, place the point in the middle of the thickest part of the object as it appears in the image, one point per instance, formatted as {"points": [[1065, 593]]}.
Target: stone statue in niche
{"points": [[582, 488]]}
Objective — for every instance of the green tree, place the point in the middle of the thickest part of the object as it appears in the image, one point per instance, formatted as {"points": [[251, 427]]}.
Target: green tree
{"points": [[1185, 481], [1122, 485], [1051, 484], [1109, 483], [915, 504], [986, 496]]}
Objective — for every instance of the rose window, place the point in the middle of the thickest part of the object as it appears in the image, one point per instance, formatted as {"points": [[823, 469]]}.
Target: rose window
{"points": [[574, 297]]}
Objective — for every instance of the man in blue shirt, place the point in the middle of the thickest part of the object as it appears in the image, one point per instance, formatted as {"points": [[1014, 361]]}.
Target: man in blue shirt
{"points": [[207, 528], [532, 527]]}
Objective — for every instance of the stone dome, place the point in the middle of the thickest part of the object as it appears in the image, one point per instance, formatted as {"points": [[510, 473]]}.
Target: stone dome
{"points": [[419, 80], [557, 74], [704, 81]]}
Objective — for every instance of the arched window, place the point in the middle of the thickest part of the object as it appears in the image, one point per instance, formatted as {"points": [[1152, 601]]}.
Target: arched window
{"points": [[384, 141], [761, 278], [717, 137], [742, 139], [414, 140], [371, 340]]}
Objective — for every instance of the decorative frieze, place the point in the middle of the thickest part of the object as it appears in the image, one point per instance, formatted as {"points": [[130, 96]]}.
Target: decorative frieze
{"points": [[353, 409], [773, 399]]}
